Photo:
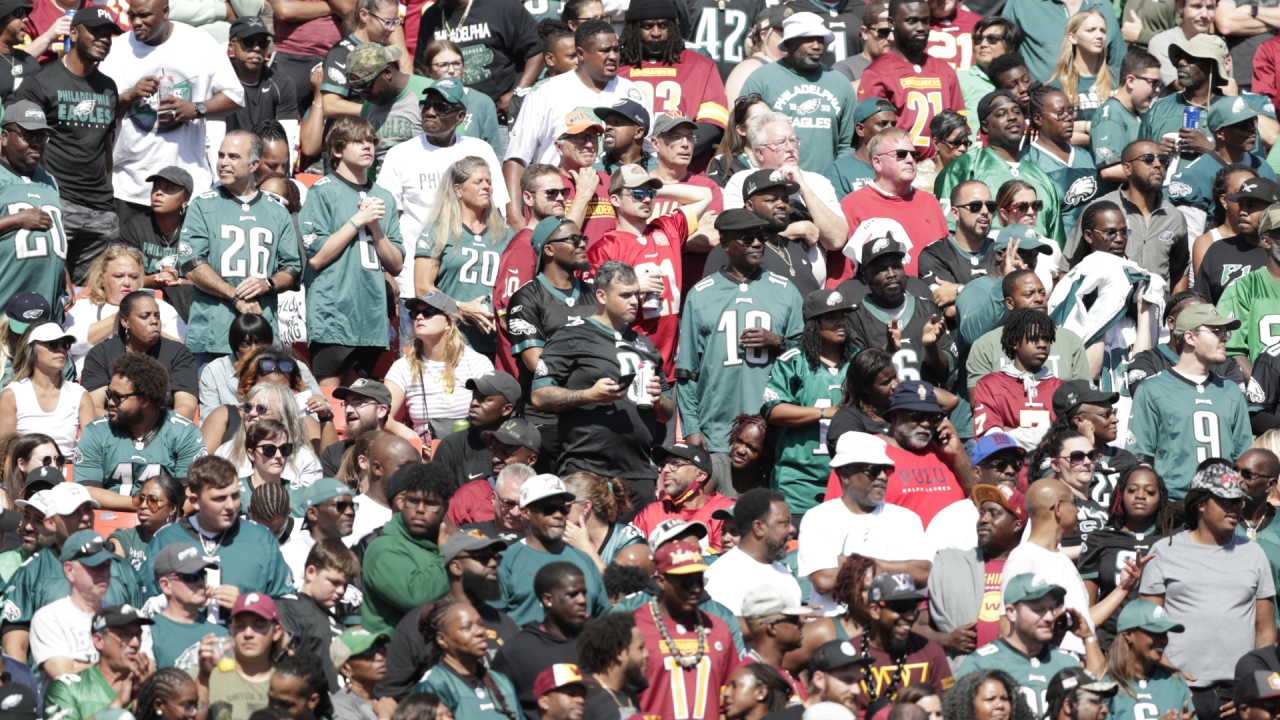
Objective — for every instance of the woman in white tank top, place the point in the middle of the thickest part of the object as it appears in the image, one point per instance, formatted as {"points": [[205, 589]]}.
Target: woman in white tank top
{"points": [[39, 399]]}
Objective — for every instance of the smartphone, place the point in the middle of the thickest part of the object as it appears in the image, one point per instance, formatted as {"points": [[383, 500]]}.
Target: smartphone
{"points": [[626, 380]]}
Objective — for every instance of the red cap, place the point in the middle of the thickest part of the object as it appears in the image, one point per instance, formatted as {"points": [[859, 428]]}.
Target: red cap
{"points": [[258, 604], [556, 677], [679, 558], [1002, 495]]}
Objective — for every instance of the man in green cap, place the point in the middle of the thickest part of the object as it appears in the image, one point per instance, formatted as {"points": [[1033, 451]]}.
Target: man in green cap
{"points": [[327, 510], [391, 98], [1162, 689], [1201, 63], [850, 172], [61, 632]]}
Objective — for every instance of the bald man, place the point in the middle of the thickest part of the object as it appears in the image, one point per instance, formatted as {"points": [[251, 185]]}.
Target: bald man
{"points": [[1052, 510], [387, 455]]}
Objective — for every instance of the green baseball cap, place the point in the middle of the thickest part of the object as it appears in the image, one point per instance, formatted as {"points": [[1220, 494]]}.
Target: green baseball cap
{"points": [[869, 107], [448, 88], [352, 642], [1227, 111], [1146, 615], [318, 492], [542, 232], [88, 548], [1028, 587], [1193, 316], [366, 61], [1028, 239]]}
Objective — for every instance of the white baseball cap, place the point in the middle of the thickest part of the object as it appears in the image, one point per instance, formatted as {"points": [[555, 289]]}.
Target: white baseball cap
{"points": [[42, 501], [67, 497], [856, 447], [804, 24], [541, 487], [48, 332]]}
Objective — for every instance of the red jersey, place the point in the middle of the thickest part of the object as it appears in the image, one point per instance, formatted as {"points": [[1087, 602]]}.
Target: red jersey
{"points": [[654, 513], [1001, 401], [675, 693], [517, 266], [952, 40], [658, 249], [920, 482], [472, 503], [918, 212], [992, 607], [693, 262], [691, 86], [601, 217], [918, 92]]}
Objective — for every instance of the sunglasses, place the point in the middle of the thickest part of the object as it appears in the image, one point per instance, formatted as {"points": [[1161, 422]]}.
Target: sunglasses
{"points": [[923, 416], [748, 99], [439, 106], [1078, 457], [342, 506], [1113, 234], [190, 578], [977, 205], [641, 194], [749, 240], [1000, 465], [990, 39], [902, 607], [554, 193], [424, 311], [152, 503], [248, 408], [882, 33], [1155, 83], [1023, 207], [552, 508], [372, 652], [574, 240], [484, 558], [1250, 475], [1151, 158], [270, 366], [251, 43], [963, 142], [116, 398], [902, 154], [269, 451], [872, 471], [63, 344]]}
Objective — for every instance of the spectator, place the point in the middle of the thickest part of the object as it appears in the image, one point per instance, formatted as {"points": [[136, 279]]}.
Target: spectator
{"points": [[1201, 65], [1235, 136], [34, 464], [271, 401], [465, 684], [949, 23], [313, 617], [742, 696], [775, 622], [180, 628], [889, 641], [949, 266], [1053, 150], [1235, 569], [221, 380], [1135, 661], [367, 406], [998, 460], [272, 365], [1019, 289], [992, 37], [119, 667], [1197, 16], [764, 521], [271, 509], [1009, 72], [750, 459], [853, 172], [515, 442], [167, 689], [676, 146], [328, 513], [578, 147], [733, 154], [266, 96], [1150, 363], [1083, 71], [1071, 458], [257, 638], [1232, 258], [298, 687], [1159, 428], [987, 695], [62, 630], [14, 22], [138, 330], [25, 138], [951, 140], [1092, 413], [361, 659], [800, 73], [593, 525], [1075, 694], [1012, 401], [864, 402], [387, 455], [1248, 299], [508, 520], [391, 96], [1116, 123], [38, 381], [493, 400], [499, 46], [859, 521], [159, 502], [625, 137], [15, 321], [559, 56], [612, 650], [1046, 32], [1225, 213], [373, 21], [761, 44], [442, 58], [402, 569]]}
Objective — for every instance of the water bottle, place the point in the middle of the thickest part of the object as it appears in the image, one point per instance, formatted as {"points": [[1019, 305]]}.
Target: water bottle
{"points": [[66, 42]]}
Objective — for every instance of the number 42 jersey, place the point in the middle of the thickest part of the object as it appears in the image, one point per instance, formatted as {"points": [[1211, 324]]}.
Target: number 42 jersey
{"points": [[38, 256]]}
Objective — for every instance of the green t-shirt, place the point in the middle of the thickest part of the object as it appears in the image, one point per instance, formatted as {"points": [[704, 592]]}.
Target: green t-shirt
{"points": [[1166, 116], [974, 85], [107, 457], [247, 552], [468, 270], [347, 300], [481, 121], [1151, 698], [231, 697], [1032, 672], [40, 581], [849, 173], [38, 258], [820, 106], [77, 696], [1254, 300], [1113, 128], [802, 463], [993, 170], [175, 644]]}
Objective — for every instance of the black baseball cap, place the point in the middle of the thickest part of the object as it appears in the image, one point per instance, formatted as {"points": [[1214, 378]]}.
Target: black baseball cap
{"points": [[95, 16], [8, 6], [894, 587], [741, 220], [47, 475], [17, 702], [700, 458], [119, 616], [1074, 393], [10, 520], [248, 26], [821, 302], [985, 105], [762, 180], [835, 655], [1256, 188], [627, 108], [25, 309], [175, 175], [877, 247], [1257, 685], [1069, 679], [496, 383]]}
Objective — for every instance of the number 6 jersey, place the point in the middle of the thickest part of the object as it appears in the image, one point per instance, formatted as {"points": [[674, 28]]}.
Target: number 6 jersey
{"points": [[38, 256]]}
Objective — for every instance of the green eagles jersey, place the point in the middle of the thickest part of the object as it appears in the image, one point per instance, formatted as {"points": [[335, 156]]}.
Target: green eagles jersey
{"points": [[110, 458], [247, 552], [468, 271], [481, 121], [239, 241], [346, 301], [802, 463], [974, 85], [720, 379], [41, 581], [468, 697], [1254, 300], [77, 696], [1087, 100], [176, 644], [1166, 116], [848, 173], [1032, 673], [1180, 424], [993, 170], [1077, 180], [39, 256], [1113, 128], [1151, 699], [135, 548], [1193, 183]]}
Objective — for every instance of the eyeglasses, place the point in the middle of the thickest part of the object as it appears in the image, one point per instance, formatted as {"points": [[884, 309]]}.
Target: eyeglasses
{"points": [[254, 43], [1250, 476], [902, 154], [425, 311], [1061, 115], [269, 366], [358, 403], [989, 38], [269, 451], [550, 509], [923, 416], [882, 32], [1151, 158], [977, 205], [655, 24], [1023, 207], [63, 344], [789, 619], [115, 398], [1155, 83], [791, 141], [455, 65], [673, 138], [554, 193], [190, 578], [1110, 413], [252, 408], [439, 107], [642, 194], [574, 240], [1078, 457], [342, 506], [484, 557], [1000, 465], [394, 23], [581, 138], [152, 503], [1113, 233]]}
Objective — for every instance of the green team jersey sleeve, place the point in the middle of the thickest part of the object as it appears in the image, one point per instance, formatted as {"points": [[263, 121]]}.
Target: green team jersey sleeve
{"points": [[90, 457], [187, 446], [18, 606], [980, 306], [693, 342], [802, 460], [1144, 422], [33, 260], [1113, 128], [77, 696], [1233, 305], [482, 120]]}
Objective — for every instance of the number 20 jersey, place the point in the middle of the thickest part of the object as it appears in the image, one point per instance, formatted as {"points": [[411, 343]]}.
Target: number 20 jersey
{"points": [[32, 260]]}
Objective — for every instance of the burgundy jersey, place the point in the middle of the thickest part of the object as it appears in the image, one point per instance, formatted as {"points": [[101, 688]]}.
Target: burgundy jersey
{"points": [[678, 694], [918, 92], [516, 267], [952, 40], [1000, 401], [691, 86]]}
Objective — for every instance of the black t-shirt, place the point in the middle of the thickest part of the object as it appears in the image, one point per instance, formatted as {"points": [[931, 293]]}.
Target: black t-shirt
{"points": [[1263, 391], [534, 313], [335, 68], [606, 705], [1102, 557], [1156, 360], [851, 419], [331, 457], [1106, 475], [869, 329], [82, 112], [407, 654], [466, 454], [140, 231], [174, 356], [788, 260], [944, 260], [1227, 261], [21, 67], [792, 712], [496, 40], [273, 98], [1265, 659]]}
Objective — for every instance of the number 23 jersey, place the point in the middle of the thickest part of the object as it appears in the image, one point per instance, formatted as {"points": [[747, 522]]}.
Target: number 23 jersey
{"points": [[35, 262]]}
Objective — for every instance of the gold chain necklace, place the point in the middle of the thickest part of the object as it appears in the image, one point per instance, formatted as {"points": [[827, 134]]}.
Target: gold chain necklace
{"points": [[449, 31], [785, 257]]}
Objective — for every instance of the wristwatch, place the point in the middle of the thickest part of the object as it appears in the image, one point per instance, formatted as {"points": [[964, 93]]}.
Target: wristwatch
{"points": [[1254, 11], [271, 284], [201, 110]]}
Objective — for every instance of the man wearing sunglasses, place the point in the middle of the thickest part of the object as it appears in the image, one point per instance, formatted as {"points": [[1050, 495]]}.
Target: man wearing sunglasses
{"points": [[775, 622], [852, 172], [1236, 139], [951, 263], [179, 628], [876, 34], [390, 96], [120, 667], [1118, 119], [789, 240], [992, 37], [892, 645], [267, 96], [37, 208], [1093, 413], [327, 510]]}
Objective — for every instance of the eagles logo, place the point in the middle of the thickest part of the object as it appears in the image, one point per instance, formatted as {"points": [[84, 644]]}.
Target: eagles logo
{"points": [[336, 75], [1136, 376], [541, 370], [1255, 392], [1080, 191], [770, 395], [1181, 189], [84, 107], [808, 106], [521, 327]]}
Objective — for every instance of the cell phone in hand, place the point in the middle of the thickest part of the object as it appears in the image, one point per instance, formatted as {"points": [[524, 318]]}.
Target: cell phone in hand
{"points": [[626, 380]]}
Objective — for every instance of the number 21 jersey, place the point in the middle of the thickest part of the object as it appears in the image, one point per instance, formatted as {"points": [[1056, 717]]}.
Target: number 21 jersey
{"points": [[919, 92], [32, 260]]}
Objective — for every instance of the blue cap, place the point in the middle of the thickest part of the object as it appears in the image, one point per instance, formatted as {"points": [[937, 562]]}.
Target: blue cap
{"points": [[914, 395], [989, 445]]}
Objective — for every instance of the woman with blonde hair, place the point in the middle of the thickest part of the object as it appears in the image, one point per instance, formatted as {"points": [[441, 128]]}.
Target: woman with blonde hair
{"points": [[460, 246], [39, 398], [271, 364], [592, 525], [429, 382], [23, 310], [118, 271], [1135, 663], [1082, 71], [443, 59], [273, 401]]}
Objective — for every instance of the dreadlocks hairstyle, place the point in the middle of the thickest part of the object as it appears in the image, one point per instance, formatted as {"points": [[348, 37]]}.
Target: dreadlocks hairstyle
{"points": [[862, 373], [163, 685], [958, 704], [811, 345], [431, 622], [307, 667], [1166, 512], [1220, 188], [768, 677], [632, 52], [1035, 106], [851, 585], [1086, 222], [1026, 324], [602, 640], [740, 425]]}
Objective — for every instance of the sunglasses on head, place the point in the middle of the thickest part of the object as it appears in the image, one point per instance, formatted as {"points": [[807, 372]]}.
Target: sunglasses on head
{"points": [[152, 503], [1022, 207], [269, 366], [269, 451], [1078, 457], [641, 194], [748, 99], [902, 154], [977, 205], [116, 398]]}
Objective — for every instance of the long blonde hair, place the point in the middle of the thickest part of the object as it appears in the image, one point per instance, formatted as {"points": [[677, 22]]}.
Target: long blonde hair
{"points": [[24, 365], [1066, 71], [446, 216], [98, 270], [9, 340], [282, 402], [454, 347]]}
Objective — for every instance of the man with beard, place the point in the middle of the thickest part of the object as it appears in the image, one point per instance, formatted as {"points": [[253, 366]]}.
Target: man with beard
{"points": [[471, 560], [612, 650], [764, 521], [561, 588], [775, 622], [1031, 605], [1229, 259], [116, 676], [952, 262], [1201, 63], [493, 400], [78, 153], [1157, 232], [899, 656], [685, 494], [653, 54], [982, 306], [837, 674], [964, 584], [853, 172], [367, 405], [818, 100], [626, 135], [907, 66], [859, 521], [267, 96], [545, 504], [391, 97], [138, 439], [1002, 119], [768, 193], [875, 36]]}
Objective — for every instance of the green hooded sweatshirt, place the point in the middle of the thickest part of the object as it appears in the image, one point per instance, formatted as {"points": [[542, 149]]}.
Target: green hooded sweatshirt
{"points": [[401, 572]]}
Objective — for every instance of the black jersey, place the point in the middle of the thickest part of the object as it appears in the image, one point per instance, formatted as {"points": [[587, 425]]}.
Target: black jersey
{"points": [[614, 439], [1263, 391], [1103, 553], [534, 313], [944, 260], [855, 290], [1149, 363], [1102, 488], [788, 259], [868, 327], [718, 28], [1227, 261]]}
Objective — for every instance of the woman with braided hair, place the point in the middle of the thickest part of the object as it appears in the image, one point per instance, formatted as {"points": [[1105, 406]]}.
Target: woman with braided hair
{"points": [[458, 643], [167, 693], [1053, 120], [754, 691], [850, 591], [271, 508]]}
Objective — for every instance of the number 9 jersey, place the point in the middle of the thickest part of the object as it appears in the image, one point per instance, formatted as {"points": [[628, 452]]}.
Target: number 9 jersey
{"points": [[35, 263]]}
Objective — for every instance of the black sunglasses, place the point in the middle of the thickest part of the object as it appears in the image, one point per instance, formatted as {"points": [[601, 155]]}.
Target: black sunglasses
{"points": [[902, 154], [440, 107], [1151, 158], [59, 344], [1250, 475], [342, 506], [882, 33], [189, 578], [554, 193], [1000, 465], [425, 311], [552, 508], [254, 43], [269, 366], [574, 240], [116, 398], [269, 451], [373, 651], [990, 39], [1022, 207], [977, 205]]}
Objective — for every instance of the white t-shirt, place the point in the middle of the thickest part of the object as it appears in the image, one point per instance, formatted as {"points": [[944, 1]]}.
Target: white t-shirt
{"points": [[1059, 570], [60, 629], [955, 526], [369, 517], [820, 186], [411, 172], [424, 395], [541, 118], [84, 314], [63, 424], [830, 530], [200, 69], [732, 576]]}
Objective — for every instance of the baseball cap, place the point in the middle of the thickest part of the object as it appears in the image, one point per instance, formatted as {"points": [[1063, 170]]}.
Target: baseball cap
{"points": [[496, 383], [835, 655], [47, 474], [827, 711], [673, 528], [26, 115], [516, 431], [1074, 393], [629, 109], [723, 513], [741, 220], [48, 332], [543, 231], [248, 26], [1221, 480], [371, 389], [352, 642], [765, 600], [1193, 316], [87, 548], [541, 487], [1069, 679], [1209, 47], [679, 558], [877, 247], [435, 299], [762, 180], [1254, 686], [257, 603], [1002, 495], [365, 62], [1028, 239], [98, 16], [466, 541], [631, 176], [319, 492], [651, 10], [991, 100], [581, 120], [68, 497], [821, 302], [17, 702], [673, 119], [1257, 188], [1270, 219], [914, 395], [804, 24], [395, 484], [700, 458], [1227, 111], [118, 616], [175, 174], [26, 308], [180, 557], [1146, 615], [1029, 586], [559, 675], [859, 447], [869, 107], [448, 88], [41, 501], [989, 445], [894, 587]]}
